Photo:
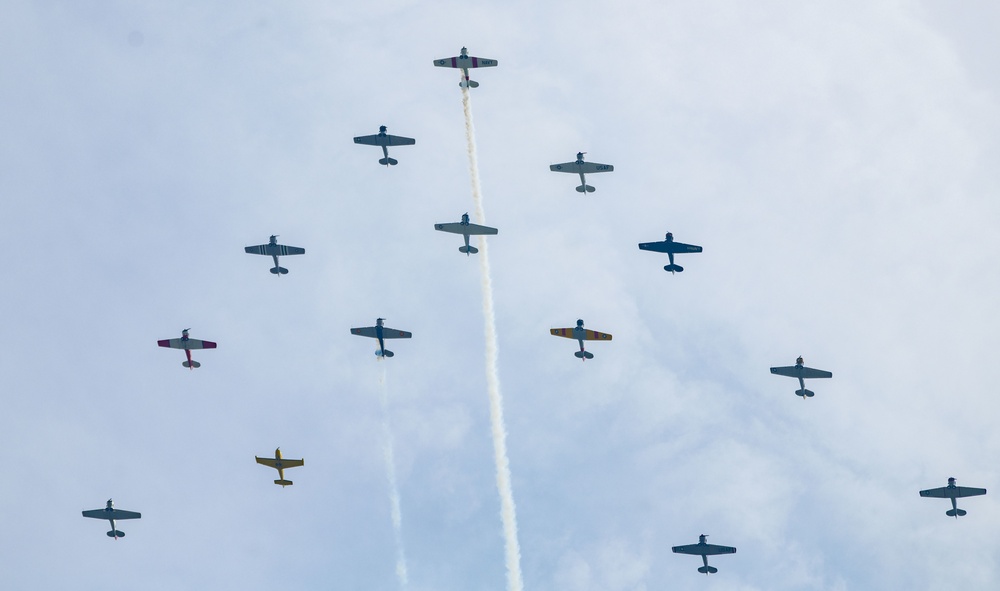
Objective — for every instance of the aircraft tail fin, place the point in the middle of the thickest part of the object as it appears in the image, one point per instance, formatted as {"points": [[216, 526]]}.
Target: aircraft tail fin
{"points": [[956, 513], [384, 353], [279, 271], [468, 249], [388, 161], [192, 364], [116, 533], [673, 268], [805, 393], [585, 189], [707, 569], [283, 483]]}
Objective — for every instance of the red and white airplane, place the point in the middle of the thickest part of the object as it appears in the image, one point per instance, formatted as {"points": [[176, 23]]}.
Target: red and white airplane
{"points": [[465, 61], [187, 343]]}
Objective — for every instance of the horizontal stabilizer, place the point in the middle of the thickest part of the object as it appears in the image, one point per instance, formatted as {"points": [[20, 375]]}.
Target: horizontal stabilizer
{"points": [[384, 353], [707, 569], [279, 270], [116, 533], [194, 364], [388, 161], [805, 393], [955, 512], [469, 84], [673, 268], [584, 355], [468, 249], [585, 189], [283, 482]]}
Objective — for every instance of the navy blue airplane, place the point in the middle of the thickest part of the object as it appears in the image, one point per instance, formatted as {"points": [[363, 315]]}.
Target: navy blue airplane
{"points": [[670, 247], [380, 332]]}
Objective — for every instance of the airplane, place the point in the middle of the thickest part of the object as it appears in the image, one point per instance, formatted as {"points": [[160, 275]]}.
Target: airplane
{"points": [[953, 492], [380, 332], [279, 464], [274, 250], [187, 343], [581, 334], [465, 61], [670, 247], [704, 549], [466, 229], [111, 514], [580, 167], [384, 140], [802, 372]]}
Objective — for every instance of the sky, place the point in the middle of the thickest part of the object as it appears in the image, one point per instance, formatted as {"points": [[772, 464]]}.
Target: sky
{"points": [[836, 160]]}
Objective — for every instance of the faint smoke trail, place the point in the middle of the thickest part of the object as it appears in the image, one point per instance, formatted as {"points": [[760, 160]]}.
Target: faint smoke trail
{"points": [[508, 514], [390, 474]]}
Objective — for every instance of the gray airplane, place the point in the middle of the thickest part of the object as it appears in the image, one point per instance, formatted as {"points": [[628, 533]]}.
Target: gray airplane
{"points": [[580, 167], [801, 372], [111, 514], [384, 140], [466, 229], [274, 250], [953, 492], [704, 549], [670, 247], [464, 62], [380, 332]]}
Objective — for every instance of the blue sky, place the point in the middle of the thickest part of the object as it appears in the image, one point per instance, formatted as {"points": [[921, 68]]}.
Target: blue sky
{"points": [[836, 161]]}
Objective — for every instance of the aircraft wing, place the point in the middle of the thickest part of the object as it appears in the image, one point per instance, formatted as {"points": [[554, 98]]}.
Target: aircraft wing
{"points": [[788, 370], [956, 492], [115, 514], [398, 140], [668, 246], [470, 229], [592, 167], [392, 333], [469, 62], [795, 371], [368, 331], [593, 335], [272, 462], [370, 140], [281, 250], [704, 549], [586, 167], [589, 335], [810, 373], [188, 344], [385, 140]]}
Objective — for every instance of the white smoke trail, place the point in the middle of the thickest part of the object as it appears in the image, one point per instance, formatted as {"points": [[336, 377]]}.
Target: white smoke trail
{"points": [[508, 514], [390, 474]]}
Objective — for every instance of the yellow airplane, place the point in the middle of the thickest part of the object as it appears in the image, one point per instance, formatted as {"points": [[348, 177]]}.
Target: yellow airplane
{"points": [[581, 334], [279, 464]]}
